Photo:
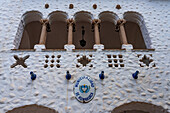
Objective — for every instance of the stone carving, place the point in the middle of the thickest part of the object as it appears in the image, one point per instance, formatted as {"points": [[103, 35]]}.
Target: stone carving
{"points": [[118, 6], [46, 6], [71, 6], [20, 61], [94, 6], [84, 60], [146, 60]]}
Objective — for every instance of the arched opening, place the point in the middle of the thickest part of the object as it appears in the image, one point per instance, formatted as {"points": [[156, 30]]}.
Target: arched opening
{"points": [[108, 36], [83, 21], [58, 37], [29, 30], [136, 31], [139, 107], [32, 109], [134, 111]]}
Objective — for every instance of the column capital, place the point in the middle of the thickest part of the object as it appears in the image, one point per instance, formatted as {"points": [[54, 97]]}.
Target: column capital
{"points": [[44, 21], [121, 21], [70, 21], [96, 21]]}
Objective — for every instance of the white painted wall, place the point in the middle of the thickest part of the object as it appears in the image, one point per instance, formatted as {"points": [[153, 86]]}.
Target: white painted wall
{"points": [[51, 89]]}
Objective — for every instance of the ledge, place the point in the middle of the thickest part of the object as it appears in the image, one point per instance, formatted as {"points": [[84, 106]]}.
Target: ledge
{"points": [[87, 50], [26, 50], [143, 50], [48, 50], [114, 50]]}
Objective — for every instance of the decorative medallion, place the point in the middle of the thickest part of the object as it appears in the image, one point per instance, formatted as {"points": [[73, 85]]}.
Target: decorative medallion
{"points": [[84, 89]]}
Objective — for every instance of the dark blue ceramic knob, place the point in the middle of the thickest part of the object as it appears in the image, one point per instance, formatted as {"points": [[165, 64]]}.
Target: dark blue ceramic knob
{"points": [[101, 75], [135, 75], [33, 76], [68, 76]]}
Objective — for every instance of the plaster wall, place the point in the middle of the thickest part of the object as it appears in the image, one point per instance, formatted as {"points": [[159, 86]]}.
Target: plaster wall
{"points": [[52, 90]]}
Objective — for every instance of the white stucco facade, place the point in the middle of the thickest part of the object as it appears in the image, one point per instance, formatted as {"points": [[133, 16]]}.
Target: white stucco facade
{"points": [[51, 89]]}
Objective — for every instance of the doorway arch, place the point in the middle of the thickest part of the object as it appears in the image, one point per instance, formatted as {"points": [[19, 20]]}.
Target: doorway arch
{"points": [[32, 109], [139, 107]]}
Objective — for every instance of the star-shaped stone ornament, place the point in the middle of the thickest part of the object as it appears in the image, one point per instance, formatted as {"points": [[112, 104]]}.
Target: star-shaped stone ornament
{"points": [[20, 61], [84, 60], [146, 60]]}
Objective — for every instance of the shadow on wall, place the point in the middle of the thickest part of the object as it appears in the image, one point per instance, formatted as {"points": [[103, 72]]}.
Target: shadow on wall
{"points": [[57, 38], [108, 36], [139, 107], [29, 30], [83, 20], [136, 31], [32, 109]]}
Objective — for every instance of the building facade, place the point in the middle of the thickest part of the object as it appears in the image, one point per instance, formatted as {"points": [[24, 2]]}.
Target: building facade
{"points": [[122, 46]]}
